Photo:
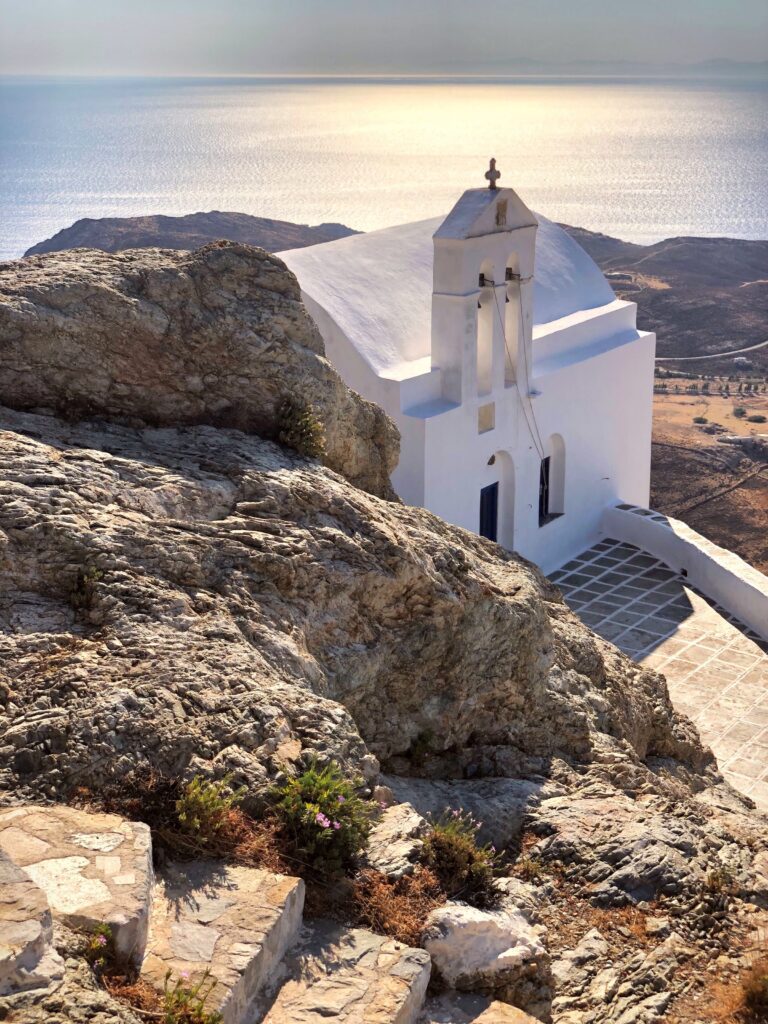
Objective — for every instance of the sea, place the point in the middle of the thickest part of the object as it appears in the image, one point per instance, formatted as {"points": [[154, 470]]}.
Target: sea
{"points": [[639, 159]]}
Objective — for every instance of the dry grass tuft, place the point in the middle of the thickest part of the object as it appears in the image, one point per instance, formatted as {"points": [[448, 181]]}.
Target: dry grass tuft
{"points": [[136, 993], [754, 992], [629, 918], [398, 909]]}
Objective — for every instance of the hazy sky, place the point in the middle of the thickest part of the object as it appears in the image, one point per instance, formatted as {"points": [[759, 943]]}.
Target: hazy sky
{"points": [[284, 36]]}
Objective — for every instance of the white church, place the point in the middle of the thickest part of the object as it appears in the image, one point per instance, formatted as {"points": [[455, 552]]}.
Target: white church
{"points": [[521, 385]]}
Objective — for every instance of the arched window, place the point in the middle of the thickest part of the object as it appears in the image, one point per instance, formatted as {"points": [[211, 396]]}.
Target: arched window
{"points": [[552, 480], [485, 315]]}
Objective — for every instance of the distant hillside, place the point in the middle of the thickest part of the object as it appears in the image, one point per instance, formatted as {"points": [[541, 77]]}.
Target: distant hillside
{"points": [[111, 234], [700, 295]]}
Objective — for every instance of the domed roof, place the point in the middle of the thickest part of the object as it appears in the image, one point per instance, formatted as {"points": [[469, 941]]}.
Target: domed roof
{"points": [[377, 286]]}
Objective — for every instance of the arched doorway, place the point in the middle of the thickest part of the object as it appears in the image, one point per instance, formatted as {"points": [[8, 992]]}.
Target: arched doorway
{"points": [[496, 513]]}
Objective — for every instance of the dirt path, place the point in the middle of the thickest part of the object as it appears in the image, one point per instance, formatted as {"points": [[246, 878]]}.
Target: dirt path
{"points": [[712, 355]]}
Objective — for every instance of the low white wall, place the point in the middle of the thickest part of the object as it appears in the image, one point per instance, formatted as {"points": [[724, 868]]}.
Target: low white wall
{"points": [[720, 575]]}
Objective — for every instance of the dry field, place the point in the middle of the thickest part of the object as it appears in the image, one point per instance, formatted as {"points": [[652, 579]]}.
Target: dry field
{"points": [[713, 487]]}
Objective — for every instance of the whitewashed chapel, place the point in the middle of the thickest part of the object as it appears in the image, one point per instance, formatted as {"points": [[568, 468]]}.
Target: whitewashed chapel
{"points": [[519, 382]]}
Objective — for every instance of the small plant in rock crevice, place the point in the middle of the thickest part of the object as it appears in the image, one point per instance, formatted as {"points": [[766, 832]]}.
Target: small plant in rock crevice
{"points": [[100, 948], [299, 428], [530, 869], [184, 1000], [84, 591], [323, 823], [720, 880], [465, 869]]}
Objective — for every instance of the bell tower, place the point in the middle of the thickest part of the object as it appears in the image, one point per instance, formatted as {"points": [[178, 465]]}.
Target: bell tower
{"points": [[482, 296]]}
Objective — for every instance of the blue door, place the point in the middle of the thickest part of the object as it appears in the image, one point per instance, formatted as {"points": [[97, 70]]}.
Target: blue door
{"points": [[489, 511]]}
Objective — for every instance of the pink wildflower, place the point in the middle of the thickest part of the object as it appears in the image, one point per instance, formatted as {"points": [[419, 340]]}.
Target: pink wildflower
{"points": [[337, 825], [342, 799], [101, 940], [322, 820]]}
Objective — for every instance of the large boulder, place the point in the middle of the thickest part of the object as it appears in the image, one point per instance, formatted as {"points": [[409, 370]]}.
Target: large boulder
{"points": [[203, 600], [167, 338]]}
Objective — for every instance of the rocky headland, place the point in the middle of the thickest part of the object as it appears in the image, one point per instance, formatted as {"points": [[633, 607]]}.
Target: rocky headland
{"points": [[181, 591], [191, 231]]}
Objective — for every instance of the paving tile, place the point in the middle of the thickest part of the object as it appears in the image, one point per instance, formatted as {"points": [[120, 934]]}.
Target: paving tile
{"points": [[759, 794], [716, 672], [610, 630], [638, 638], [741, 782], [749, 767]]}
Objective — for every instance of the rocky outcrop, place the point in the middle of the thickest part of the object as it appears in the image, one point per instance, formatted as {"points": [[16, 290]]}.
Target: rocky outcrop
{"points": [[218, 336], [190, 231], [204, 601]]}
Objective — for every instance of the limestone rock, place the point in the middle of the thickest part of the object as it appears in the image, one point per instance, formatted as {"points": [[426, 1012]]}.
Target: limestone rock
{"points": [[494, 951], [93, 868], [395, 841], [236, 922], [351, 976], [624, 850], [503, 1013], [168, 338], [501, 805], [27, 958], [202, 601]]}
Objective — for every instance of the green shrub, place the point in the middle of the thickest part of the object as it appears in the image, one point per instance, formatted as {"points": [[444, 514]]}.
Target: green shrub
{"points": [[324, 824], [757, 418], [699, 419], [299, 428], [204, 806], [184, 1002], [464, 868], [739, 411]]}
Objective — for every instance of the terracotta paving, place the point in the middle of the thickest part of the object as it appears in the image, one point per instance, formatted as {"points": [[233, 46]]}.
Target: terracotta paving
{"points": [[716, 669]]}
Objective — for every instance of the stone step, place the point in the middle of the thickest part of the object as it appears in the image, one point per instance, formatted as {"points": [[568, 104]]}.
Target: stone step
{"points": [[27, 958], [351, 976], [471, 1008], [94, 868], [235, 922]]}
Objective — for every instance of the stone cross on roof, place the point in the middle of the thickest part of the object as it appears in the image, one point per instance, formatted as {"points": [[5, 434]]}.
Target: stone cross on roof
{"points": [[492, 175]]}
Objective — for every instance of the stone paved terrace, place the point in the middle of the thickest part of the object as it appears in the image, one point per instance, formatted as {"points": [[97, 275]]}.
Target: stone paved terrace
{"points": [[716, 669]]}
